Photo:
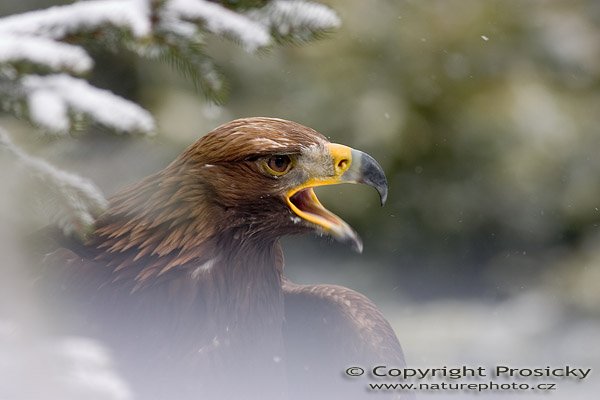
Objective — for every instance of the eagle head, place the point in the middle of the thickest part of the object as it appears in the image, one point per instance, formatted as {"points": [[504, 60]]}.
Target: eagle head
{"points": [[263, 171]]}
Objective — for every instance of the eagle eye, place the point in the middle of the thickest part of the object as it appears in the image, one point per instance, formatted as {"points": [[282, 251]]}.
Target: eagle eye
{"points": [[278, 165]]}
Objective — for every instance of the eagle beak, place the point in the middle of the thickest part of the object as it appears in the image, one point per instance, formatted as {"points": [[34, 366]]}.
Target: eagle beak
{"points": [[348, 166]]}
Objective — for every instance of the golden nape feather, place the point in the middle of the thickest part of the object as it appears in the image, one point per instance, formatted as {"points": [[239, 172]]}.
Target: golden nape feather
{"points": [[183, 275]]}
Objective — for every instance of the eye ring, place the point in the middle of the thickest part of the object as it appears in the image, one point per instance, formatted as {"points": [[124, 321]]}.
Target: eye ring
{"points": [[278, 165]]}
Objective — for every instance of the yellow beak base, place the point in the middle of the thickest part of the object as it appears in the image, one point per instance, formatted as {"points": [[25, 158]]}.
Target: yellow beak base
{"points": [[348, 166]]}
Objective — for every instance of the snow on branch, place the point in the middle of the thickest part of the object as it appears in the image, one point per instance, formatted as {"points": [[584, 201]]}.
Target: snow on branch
{"points": [[51, 97], [55, 56], [73, 201], [60, 21], [219, 20], [296, 19]]}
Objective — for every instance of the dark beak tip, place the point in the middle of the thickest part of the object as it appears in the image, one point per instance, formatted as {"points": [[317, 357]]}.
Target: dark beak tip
{"points": [[372, 174]]}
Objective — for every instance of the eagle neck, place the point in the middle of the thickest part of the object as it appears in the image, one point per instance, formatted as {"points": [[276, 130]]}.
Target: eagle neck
{"points": [[250, 313], [251, 272]]}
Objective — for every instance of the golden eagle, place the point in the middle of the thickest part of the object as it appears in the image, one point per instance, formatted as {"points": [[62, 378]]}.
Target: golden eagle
{"points": [[183, 275]]}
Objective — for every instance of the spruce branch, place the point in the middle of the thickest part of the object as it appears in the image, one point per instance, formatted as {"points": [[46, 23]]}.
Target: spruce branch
{"points": [[219, 20], [189, 59], [69, 95], [72, 201], [60, 22], [296, 21], [45, 54]]}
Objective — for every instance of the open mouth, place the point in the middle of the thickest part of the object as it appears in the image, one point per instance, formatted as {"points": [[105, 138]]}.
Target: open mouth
{"points": [[306, 205]]}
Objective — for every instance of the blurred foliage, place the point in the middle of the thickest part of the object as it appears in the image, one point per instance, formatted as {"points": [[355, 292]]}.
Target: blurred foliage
{"points": [[483, 113]]}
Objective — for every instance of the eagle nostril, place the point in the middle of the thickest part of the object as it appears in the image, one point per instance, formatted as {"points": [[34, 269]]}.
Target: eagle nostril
{"points": [[342, 164]]}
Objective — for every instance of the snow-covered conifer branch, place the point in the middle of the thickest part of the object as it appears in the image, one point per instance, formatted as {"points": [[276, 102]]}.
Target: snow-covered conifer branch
{"points": [[221, 21], [296, 20], [85, 16], [30, 44], [54, 56], [73, 201], [64, 94]]}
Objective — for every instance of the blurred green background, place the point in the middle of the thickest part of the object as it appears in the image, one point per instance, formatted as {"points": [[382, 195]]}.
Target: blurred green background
{"points": [[485, 115]]}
